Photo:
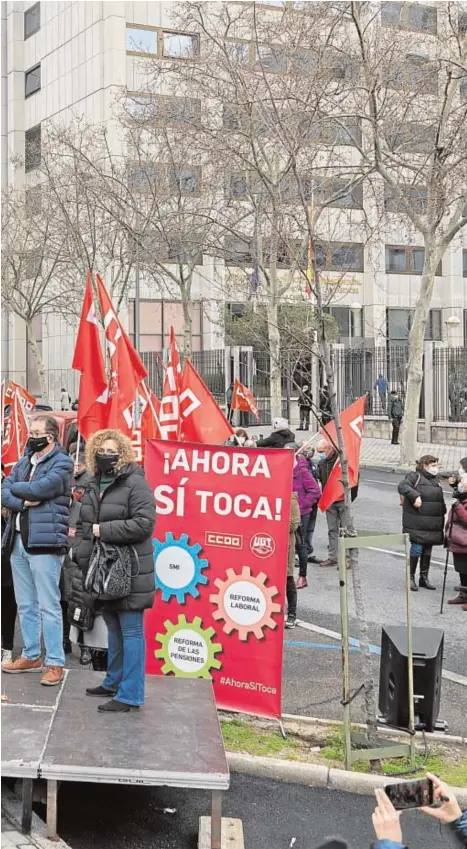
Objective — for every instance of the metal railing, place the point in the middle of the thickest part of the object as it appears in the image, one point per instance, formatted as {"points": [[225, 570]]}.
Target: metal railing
{"points": [[450, 385]]}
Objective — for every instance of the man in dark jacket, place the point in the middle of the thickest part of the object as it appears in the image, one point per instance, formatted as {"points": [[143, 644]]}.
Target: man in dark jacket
{"points": [[280, 436], [305, 403], [396, 413], [37, 493], [335, 514]]}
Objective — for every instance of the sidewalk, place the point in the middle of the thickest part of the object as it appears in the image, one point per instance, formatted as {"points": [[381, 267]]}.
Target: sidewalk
{"points": [[380, 454], [12, 839]]}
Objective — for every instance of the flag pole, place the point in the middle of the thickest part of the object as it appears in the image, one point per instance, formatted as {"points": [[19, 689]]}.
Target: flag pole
{"points": [[16, 402], [78, 444], [151, 405]]}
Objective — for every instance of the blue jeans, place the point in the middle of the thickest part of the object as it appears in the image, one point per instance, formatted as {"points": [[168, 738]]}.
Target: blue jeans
{"points": [[36, 579], [125, 665]]}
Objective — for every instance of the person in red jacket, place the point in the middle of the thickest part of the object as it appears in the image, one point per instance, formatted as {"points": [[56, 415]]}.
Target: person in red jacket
{"points": [[308, 493], [456, 533]]}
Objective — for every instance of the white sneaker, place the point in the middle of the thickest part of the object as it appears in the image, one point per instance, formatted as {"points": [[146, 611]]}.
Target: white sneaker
{"points": [[7, 656]]}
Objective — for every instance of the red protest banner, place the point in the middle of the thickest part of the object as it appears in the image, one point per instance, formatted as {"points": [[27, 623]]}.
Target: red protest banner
{"points": [[220, 555]]}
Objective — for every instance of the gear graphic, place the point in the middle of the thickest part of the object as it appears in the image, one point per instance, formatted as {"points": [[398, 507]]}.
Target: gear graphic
{"points": [[245, 603], [187, 649], [178, 568]]}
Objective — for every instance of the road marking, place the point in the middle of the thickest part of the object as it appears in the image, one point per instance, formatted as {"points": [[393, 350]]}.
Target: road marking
{"points": [[306, 645], [402, 554], [326, 632]]}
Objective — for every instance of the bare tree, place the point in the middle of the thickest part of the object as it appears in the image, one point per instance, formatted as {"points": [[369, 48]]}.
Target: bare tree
{"points": [[36, 264], [413, 102]]}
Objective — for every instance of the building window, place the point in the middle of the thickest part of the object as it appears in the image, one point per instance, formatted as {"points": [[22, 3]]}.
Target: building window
{"points": [[141, 40], [151, 41], [339, 256], [406, 260], [328, 131], [433, 331], [464, 263], [185, 180], [33, 200], [237, 185], [162, 109], [32, 20], [352, 199], [142, 177], [32, 148], [414, 73], [31, 265], [270, 58], [32, 80], [412, 16], [399, 323], [412, 137], [416, 196], [463, 87], [238, 251], [178, 45]]}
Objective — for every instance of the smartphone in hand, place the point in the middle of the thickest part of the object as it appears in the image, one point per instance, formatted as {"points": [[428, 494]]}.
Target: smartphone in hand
{"points": [[410, 794]]}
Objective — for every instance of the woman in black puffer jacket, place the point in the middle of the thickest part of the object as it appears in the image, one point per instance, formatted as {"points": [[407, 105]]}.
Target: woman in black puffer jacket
{"points": [[423, 510], [118, 507]]}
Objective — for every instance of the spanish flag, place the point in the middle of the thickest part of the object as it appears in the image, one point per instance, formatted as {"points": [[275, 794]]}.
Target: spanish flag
{"points": [[310, 271]]}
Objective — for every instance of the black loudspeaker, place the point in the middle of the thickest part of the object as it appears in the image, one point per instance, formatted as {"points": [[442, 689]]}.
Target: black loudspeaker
{"points": [[393, 676]]}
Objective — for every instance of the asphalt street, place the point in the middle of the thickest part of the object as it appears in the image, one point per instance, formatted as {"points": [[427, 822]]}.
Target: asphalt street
{"points": [[275, 816], [312, 678]]}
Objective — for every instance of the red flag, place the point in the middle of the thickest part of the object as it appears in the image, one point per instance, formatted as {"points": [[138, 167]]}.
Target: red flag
{"points": [[16, 434], [28, 401], [169, 415], [243, 399], [351, 420], [126, 368], [202, 420], [88, 359]]}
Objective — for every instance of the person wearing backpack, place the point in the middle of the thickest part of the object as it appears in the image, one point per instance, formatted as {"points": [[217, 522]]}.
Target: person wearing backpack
{"points": [[423, 510], [118, 509]]}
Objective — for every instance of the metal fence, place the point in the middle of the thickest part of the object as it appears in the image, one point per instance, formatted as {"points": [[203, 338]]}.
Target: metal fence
{"points": [[450, 385], [377, 372], [357, 372]]}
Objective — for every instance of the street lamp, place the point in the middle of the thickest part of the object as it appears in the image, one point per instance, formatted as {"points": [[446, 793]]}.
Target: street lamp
{"points": [[451, 323]]}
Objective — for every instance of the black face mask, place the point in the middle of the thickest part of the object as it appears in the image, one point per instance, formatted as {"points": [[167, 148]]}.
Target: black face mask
{"points": [[37, 443], [107, 463]]}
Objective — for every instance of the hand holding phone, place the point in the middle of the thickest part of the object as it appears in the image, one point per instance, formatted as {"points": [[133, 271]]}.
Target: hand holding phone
{"points": [[449, 810], [410, 794], [386, 819]]}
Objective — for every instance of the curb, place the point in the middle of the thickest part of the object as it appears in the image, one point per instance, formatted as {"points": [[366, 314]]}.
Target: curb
{"points": [[316, 775], [398, 470], [435, 736], [11, 810]]}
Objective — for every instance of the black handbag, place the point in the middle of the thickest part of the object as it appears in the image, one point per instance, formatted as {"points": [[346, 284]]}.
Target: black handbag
{"points": [[81, 616], [110, 571]]}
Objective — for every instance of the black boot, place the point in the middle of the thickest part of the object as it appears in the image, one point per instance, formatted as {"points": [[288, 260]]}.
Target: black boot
{"points": [[413, 569], [424, 569]]}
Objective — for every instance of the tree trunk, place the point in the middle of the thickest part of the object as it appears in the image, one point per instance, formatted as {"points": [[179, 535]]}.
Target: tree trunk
{"points": [[274, 339], [415, 365], [367, 669], [274, 336], [39, 362]]}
